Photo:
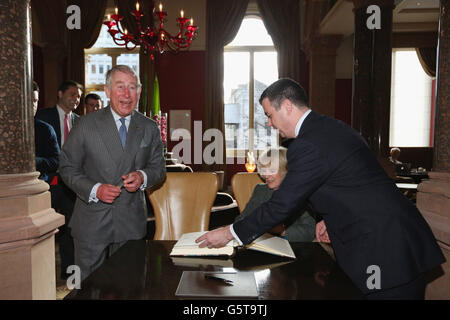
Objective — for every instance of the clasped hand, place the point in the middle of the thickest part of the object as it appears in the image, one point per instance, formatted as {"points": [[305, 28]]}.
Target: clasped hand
{"points": [[131, 182]]}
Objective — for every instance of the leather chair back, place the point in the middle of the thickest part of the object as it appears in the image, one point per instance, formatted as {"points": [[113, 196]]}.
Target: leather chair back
{"points": [[243, 184], [183, 203]]}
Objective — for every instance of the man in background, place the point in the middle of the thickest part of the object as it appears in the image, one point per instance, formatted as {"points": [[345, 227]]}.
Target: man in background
{"points": [[92, 102], [46, 144], [63, 118], [394, 155]]}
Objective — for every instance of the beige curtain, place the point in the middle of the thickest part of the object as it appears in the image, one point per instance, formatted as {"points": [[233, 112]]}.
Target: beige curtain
{"points": [[223, 21], [427, 58], [92, 16], [146, 65], [282, 21]]}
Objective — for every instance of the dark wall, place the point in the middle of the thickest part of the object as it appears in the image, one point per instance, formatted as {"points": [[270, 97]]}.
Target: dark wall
{"points": [[343, 100], [181, 79], [38, 73]]}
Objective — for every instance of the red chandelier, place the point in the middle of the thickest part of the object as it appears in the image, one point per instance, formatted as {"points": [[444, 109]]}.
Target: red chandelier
{"points": [[152, 38]]}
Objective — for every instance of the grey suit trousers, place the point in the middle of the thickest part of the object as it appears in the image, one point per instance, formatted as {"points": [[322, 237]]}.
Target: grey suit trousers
{"points": [[89, 256]]}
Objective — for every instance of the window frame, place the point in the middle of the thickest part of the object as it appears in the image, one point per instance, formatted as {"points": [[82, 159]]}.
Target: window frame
{"points": [[114, 53], [431, 105], [233, 152]]}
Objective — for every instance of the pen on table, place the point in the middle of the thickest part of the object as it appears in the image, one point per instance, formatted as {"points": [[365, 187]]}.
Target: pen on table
{"points": [[225, 281]]}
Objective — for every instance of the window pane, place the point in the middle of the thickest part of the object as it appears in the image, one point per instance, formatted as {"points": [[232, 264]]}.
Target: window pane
{"points": [[129, 59], [93, 63], [252, 33], [266, 72], [236, 98], [105, 40], [410, 101]]}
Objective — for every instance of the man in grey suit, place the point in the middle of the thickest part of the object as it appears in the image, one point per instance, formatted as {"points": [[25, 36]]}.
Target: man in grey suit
{"points": [[111, 156]]}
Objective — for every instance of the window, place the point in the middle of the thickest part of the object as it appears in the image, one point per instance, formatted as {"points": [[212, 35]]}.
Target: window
{"points": [[411, 102], [250, 65], [103, 55]]}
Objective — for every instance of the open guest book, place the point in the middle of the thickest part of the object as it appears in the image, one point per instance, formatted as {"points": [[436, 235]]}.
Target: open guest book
{"points": [[268, 243]]}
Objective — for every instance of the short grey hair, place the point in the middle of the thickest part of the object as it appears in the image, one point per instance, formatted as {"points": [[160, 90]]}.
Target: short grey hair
{"points": [[122, 68]]}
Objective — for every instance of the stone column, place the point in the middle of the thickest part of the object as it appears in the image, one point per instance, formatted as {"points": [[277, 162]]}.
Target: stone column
{"points": [[372, 75], [433, 198], [27, 222], [322, 72]]}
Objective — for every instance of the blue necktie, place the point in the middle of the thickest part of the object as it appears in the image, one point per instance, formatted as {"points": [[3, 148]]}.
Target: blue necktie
{"points": [[123, 132]]}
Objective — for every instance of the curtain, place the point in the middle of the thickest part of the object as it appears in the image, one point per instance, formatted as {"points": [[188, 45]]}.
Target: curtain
{"points": [[146, 65], [282, 21], [49, 32], [223, 21], [427, 58], [92, 16]]}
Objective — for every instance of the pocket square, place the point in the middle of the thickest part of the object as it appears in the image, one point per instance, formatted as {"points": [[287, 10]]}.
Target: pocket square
{"points": [[143, 144]]}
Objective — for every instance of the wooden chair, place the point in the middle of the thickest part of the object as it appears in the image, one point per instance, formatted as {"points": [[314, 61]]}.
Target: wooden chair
{"points": [[242, 185], [182, 203]]}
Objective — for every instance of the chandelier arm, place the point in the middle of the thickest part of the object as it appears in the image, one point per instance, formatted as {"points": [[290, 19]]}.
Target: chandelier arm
{"points": [[152, 38]]}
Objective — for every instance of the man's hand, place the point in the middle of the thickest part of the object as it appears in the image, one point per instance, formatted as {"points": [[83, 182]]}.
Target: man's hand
{"points": [[321, 232], [108, 193], [132, 181], [278, 230], [216, 239]]}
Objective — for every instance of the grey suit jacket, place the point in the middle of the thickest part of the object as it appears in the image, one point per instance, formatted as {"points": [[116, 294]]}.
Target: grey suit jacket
{"points": [[93, 153]]}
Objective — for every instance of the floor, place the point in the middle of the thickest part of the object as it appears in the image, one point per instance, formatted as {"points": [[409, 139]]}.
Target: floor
{"points": [[61, 287]]}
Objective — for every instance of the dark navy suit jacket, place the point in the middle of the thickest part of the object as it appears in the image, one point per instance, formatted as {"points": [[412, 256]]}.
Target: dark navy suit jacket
{"points": [[51, 116], [63, 198], [47, 150], [369, 221]]}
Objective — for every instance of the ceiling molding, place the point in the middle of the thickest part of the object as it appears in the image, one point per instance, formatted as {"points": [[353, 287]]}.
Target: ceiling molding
{"points": [[407, 17]]}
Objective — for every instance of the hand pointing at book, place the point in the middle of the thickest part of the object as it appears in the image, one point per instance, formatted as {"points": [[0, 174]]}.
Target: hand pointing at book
{"points": [[216, 239]]}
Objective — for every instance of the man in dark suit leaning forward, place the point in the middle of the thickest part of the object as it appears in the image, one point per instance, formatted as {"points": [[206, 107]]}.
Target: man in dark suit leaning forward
{"points": [[109, 159], [371, 225]]}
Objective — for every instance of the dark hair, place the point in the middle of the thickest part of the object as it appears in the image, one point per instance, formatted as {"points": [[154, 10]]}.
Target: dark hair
{"points": [[35, 86], [92, 96], [69, 83], [282, 89]]}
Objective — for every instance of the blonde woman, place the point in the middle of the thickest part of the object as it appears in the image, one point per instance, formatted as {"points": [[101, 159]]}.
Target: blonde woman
{"points": [[272, 167]]}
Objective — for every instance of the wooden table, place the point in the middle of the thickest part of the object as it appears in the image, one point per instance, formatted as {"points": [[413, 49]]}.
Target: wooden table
{"points": [[143, 269]]}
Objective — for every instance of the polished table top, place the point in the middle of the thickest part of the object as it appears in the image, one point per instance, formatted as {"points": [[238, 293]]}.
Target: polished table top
{"points": [[143, 269]]}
